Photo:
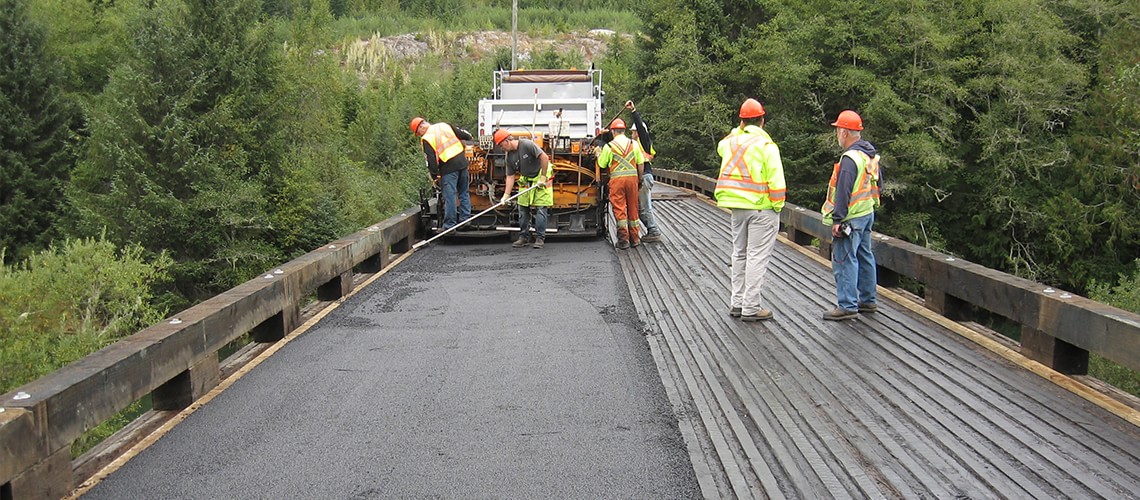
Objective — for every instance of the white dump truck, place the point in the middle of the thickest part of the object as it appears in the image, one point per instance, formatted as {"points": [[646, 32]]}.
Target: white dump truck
{"points": [[561, 111]]}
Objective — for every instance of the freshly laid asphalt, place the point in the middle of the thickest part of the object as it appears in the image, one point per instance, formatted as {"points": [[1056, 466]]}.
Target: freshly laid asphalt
{"points": [[467, 371]]}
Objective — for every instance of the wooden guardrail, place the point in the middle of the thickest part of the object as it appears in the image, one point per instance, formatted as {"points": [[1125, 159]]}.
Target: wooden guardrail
{"points": [[1058, 328], [175, 361]]}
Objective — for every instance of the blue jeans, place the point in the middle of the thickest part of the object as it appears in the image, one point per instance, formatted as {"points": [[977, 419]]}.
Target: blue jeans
{"points": [[539, 221], [853, 265], [645, 204], [455, 183]]}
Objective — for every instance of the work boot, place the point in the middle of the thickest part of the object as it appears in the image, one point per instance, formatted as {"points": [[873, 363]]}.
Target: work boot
{"points": [[634, 243], [622, 244], [538, 243], [521, 242], [838, 314], [760, 315], [868, 308], [651, 237]]}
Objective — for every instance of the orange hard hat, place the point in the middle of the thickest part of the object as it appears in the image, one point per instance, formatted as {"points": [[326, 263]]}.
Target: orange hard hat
{"points": [[751, 109], [849, 120], [416, 124], [617, 124], [501, 135]]}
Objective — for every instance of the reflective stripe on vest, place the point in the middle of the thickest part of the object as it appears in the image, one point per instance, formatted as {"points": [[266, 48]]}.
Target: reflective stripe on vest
{"points": [[622, 163], [736, 166], [443, 140], [865, 192]]}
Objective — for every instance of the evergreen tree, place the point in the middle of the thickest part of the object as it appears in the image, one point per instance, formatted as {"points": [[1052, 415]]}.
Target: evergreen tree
{"points": [[185, 140], [1098, 206], [36, 127]]}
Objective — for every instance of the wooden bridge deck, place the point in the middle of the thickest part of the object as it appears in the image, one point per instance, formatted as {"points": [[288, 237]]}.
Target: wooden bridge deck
{"points": [[891, 404]]}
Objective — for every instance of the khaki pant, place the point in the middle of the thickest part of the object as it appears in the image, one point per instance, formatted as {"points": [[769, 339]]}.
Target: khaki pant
{"points": [[753, 238]]}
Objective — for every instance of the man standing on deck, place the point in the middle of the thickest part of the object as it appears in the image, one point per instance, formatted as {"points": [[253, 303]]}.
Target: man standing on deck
{"points": [[852, 197], [625, 163], [751, 184], [645, 194]]}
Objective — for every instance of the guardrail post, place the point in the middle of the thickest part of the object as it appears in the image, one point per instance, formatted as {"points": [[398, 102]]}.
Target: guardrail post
{"points": [[945, 304], [25, 472], [50, 478], [188, 386], [336, 288], [1054, 353], [277, 326]]}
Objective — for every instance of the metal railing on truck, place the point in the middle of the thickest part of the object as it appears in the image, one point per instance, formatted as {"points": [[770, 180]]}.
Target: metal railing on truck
{"points": [[175, 361]]}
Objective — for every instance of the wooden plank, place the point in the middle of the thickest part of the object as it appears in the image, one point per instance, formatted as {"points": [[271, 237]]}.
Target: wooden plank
{"points": [[1108, 331], [1028, 448]]}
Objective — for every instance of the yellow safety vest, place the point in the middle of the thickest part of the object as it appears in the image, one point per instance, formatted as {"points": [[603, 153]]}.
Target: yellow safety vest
{"points": [[443, 140], [746, 179], [865, 192]]}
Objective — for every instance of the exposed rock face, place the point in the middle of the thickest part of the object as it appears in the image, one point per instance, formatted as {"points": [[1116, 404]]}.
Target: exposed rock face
{"points": [[374, 54]]}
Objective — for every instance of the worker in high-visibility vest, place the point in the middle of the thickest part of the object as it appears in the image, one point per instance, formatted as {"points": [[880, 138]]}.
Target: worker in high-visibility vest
{"points": [[626, 166], [529, 165], [447, 164], [642, 138], [751, 185], [852, 197]]}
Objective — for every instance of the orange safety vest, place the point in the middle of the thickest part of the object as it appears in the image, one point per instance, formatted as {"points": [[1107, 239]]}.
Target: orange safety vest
{"points": [[865, 192], [443, 140]]}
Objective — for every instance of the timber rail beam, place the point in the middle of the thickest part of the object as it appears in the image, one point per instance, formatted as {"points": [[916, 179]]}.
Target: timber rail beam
{"points": [[1058, 328], [175, 361]]}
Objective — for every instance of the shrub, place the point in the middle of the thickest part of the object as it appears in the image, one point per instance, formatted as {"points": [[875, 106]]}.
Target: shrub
{"points": [[66, 302]]}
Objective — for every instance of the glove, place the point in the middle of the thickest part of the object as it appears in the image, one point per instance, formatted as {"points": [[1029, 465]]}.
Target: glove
{"points": [[506, 200], [435, 181]]}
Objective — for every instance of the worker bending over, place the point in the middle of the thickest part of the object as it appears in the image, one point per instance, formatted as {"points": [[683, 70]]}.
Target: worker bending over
{"points": [[447, 165], [530, 165]]}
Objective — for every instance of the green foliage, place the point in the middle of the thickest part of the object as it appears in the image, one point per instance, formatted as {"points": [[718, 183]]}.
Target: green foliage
{"points": [[37, 125], [68, 301], [682, 86], [1125, 294], [973, 104], [88, 38], [184, 140], [1101, 195], [551, 58]]}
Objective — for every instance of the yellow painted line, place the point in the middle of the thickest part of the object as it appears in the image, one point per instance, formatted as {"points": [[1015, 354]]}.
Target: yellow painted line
{"points": [[1064, 381], [225, 384]]}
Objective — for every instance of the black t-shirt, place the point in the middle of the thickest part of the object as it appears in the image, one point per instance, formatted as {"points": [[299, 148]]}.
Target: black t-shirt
{"points": [[525, 160]]}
